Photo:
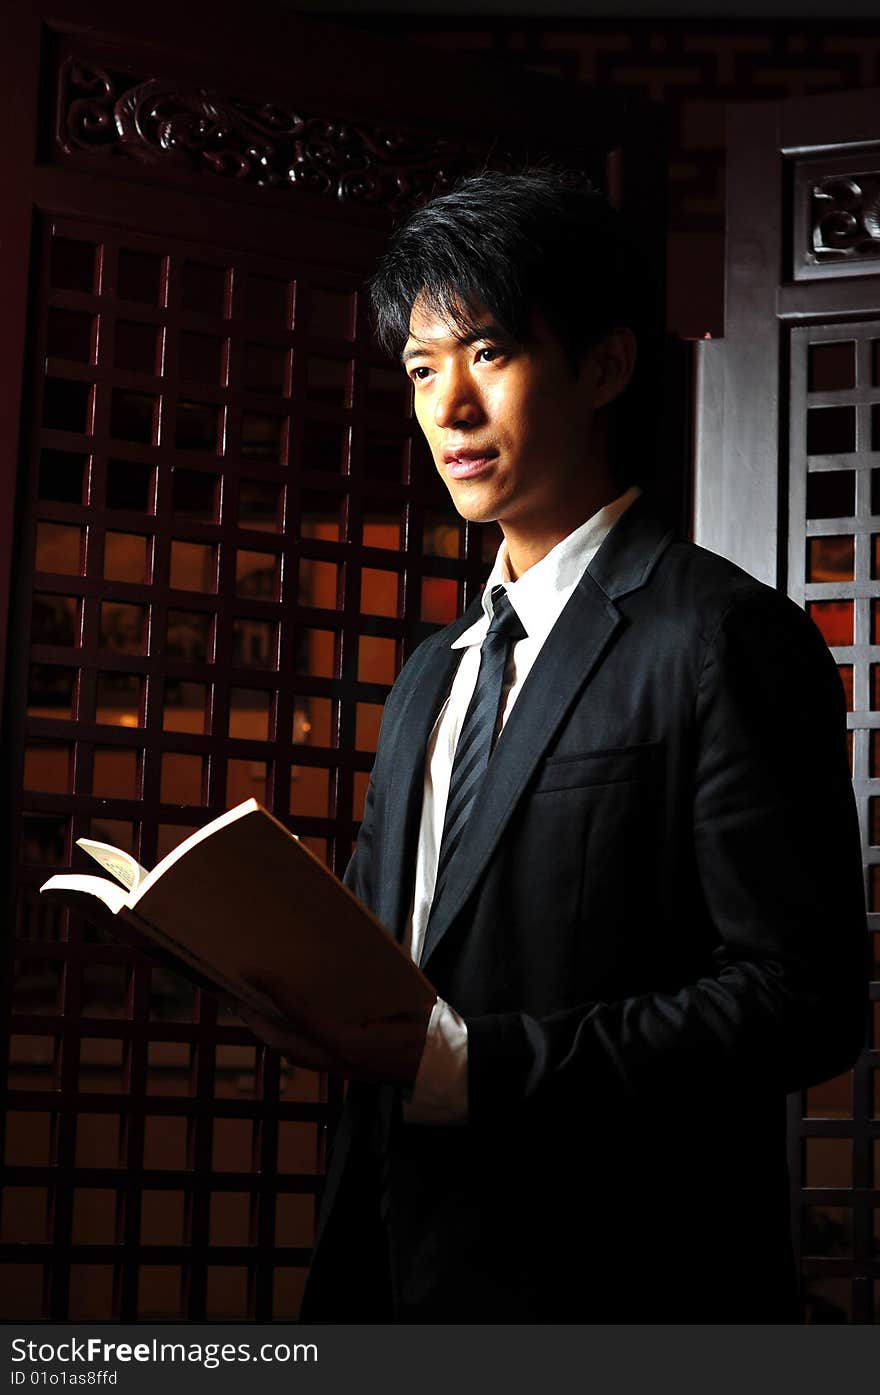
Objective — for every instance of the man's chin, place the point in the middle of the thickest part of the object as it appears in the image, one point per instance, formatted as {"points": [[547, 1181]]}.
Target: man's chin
{"points": [[472, 508], [474, 515]]}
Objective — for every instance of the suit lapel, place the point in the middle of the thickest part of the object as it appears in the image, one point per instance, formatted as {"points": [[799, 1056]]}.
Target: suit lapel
{"points": [[571, 651], [575, 647], [403, 808]]}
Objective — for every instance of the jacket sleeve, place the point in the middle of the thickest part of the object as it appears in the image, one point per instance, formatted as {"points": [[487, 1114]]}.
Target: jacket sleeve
{"points": [[777, 852], [358, 874]]}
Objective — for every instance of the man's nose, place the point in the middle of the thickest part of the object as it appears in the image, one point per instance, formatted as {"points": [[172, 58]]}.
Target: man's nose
{"points": [[456, 401]]}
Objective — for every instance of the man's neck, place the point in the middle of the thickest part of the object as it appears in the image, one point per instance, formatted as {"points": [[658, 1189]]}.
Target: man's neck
{"points": [[526, 546], [523, 553]]}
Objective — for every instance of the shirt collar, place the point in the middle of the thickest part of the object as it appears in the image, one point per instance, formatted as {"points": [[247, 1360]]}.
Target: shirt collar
{"points": [[540, 593]]}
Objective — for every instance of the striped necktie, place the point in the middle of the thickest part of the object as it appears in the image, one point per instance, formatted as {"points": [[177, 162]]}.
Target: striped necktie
{"points": [[477, 736]]}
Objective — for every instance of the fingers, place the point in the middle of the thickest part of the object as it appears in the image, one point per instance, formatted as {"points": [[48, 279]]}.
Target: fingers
{"points": [[378, 1049], [270, 988], [321, 1031], [261, 1026], [300, 1050]]}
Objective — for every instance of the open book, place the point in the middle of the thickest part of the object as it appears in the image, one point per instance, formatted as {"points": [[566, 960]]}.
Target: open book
{"points": [[243, 893]]}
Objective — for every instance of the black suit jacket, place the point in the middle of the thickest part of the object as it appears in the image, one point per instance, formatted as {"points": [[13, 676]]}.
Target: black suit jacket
{"points": [[654, 929]]}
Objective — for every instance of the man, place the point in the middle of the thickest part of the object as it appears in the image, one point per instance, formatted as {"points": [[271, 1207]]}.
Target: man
{"points": [[611, 816]]}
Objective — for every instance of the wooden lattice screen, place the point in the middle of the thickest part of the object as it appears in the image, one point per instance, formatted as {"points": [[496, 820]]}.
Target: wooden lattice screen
{"points": [[834, 571], [221, 522], [227, 539]]}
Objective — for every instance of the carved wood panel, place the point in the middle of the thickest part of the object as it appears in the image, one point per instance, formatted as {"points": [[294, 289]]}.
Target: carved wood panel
{"points": [[105, 113]]}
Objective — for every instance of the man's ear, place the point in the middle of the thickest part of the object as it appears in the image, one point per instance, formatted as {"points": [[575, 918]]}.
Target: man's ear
{"points": [[612, 362]]}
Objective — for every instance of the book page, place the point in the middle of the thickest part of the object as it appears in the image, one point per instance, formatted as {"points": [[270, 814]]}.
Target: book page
{"points": [[249, 806], [114, 897], [119, 864]]}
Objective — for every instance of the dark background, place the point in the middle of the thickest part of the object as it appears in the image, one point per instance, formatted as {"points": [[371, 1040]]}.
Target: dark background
{"points": [[696, 62]]}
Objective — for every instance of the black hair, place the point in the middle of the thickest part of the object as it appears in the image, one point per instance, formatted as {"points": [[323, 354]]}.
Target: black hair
{"points": [[541, 239]]}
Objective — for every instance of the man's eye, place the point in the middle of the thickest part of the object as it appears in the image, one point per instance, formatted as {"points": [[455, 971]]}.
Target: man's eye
{"points": [[419, 374], [491, 351]]}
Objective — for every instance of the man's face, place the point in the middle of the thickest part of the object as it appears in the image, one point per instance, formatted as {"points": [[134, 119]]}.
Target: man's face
{"points": [[510, 425]]}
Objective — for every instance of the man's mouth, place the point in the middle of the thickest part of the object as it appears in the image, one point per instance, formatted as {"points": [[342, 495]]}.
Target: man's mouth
{"points": [[465, 463]]}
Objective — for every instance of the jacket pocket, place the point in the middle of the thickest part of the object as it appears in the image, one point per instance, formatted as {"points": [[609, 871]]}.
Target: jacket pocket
{"points": [[606, 767]]}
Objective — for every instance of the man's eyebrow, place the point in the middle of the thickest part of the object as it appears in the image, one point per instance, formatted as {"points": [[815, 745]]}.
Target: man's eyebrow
{"points": [[492, 330]]}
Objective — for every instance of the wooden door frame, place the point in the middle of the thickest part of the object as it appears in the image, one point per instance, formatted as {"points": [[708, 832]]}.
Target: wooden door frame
{"points": [[740, 497], [753, 397]]}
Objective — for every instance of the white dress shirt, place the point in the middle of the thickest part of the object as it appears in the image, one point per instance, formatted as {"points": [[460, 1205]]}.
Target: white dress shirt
{"points": [[439, 1094]]}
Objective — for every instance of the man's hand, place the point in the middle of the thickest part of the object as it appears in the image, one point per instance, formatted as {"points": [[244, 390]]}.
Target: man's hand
{"points": [[386, 1050]]}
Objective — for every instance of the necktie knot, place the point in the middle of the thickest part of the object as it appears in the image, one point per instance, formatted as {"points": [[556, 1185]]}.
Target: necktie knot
{"points": [[505, 621]]}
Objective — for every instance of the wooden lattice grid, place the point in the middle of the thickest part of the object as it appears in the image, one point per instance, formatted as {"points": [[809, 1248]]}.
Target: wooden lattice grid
{"points": [[834, 572], [235, 542]]}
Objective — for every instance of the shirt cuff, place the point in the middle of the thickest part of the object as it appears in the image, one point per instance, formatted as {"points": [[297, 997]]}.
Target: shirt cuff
{"points": [[439, 1094]]}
